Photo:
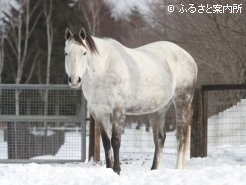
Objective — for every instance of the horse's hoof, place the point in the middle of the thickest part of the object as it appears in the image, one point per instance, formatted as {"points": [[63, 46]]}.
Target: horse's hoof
{"points": [[153, 168], [117, 170]]}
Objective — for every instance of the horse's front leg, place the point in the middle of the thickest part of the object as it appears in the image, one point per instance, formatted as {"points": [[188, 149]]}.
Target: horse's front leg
{"points": [[106, 134], [118, 119]]}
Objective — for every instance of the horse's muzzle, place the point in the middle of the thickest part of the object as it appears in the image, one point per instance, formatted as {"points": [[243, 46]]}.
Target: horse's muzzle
{"points": [[74, 82]]}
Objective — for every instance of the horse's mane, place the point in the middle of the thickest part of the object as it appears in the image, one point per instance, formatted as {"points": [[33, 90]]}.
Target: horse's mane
{"points": [[89, 42]]}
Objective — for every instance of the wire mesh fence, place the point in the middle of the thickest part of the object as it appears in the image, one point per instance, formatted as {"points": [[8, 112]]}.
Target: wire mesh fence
{"points": [[226, 122], [137, 142], [139, 139], [47, 123], [138, 135], [43, 123]]}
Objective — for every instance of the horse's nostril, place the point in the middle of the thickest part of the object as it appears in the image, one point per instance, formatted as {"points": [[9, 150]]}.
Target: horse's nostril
{"points": [[79, 80], [69, 80]]}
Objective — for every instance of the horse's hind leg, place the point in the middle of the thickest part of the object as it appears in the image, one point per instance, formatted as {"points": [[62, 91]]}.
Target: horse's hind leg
{"points": [[182, 103], [158, 124], [118, 120]]}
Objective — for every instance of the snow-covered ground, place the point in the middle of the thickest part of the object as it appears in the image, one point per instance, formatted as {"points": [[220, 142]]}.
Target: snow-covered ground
{"points": [[206, 171], [136, 162]]}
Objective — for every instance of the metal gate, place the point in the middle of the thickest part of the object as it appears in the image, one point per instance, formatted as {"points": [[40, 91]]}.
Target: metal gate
{"points": [[42, 123]]}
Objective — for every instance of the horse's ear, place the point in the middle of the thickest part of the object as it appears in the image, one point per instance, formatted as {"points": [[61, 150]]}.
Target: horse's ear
{"points": [[82, 33], [68, 33]]}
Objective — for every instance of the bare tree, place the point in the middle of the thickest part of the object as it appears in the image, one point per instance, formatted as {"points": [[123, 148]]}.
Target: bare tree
{"points": [[1, 55], [21, 31], [18, 40], [50, 36], [94, 12]]}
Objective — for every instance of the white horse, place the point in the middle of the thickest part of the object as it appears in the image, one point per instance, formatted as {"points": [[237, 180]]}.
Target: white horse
{"points": [[117, 80]]}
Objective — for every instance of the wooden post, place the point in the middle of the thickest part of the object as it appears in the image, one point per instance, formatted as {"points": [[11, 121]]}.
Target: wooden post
{"points": [[199, 125], [11, 136], [204, 124], [94, 141], [194, 126]]}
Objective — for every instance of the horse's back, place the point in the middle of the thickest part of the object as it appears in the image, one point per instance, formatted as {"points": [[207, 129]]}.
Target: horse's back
{"points": [[181, 63]]}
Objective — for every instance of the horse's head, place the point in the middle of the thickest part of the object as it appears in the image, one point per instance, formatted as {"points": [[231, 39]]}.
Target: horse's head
{"points": [[77, 47]]}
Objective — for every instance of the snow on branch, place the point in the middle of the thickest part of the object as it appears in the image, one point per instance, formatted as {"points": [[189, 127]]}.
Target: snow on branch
{"points": [[6, 6], [122, 9]]}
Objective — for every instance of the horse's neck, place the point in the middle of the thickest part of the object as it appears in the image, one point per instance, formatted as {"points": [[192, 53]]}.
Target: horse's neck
{"points": [[98, 62]]}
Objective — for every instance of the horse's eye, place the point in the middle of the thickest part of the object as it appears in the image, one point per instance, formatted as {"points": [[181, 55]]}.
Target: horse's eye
{"points": [[84, 53], [65, 53]]}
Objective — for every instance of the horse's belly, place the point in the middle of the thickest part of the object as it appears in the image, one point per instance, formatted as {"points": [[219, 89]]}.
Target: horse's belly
{"points": [[146, 107], [153, 89], [150, 102]]}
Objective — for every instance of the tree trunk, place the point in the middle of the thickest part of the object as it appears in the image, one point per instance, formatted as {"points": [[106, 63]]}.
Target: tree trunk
{"points": [[49, 33]]}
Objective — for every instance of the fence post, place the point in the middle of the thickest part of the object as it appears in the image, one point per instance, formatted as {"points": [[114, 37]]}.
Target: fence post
{"points": [[83, 127], [94, 141], [199, 126]]}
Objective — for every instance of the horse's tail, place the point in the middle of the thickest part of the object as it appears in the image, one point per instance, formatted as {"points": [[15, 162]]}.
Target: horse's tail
{"points": [[190, 120]]}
